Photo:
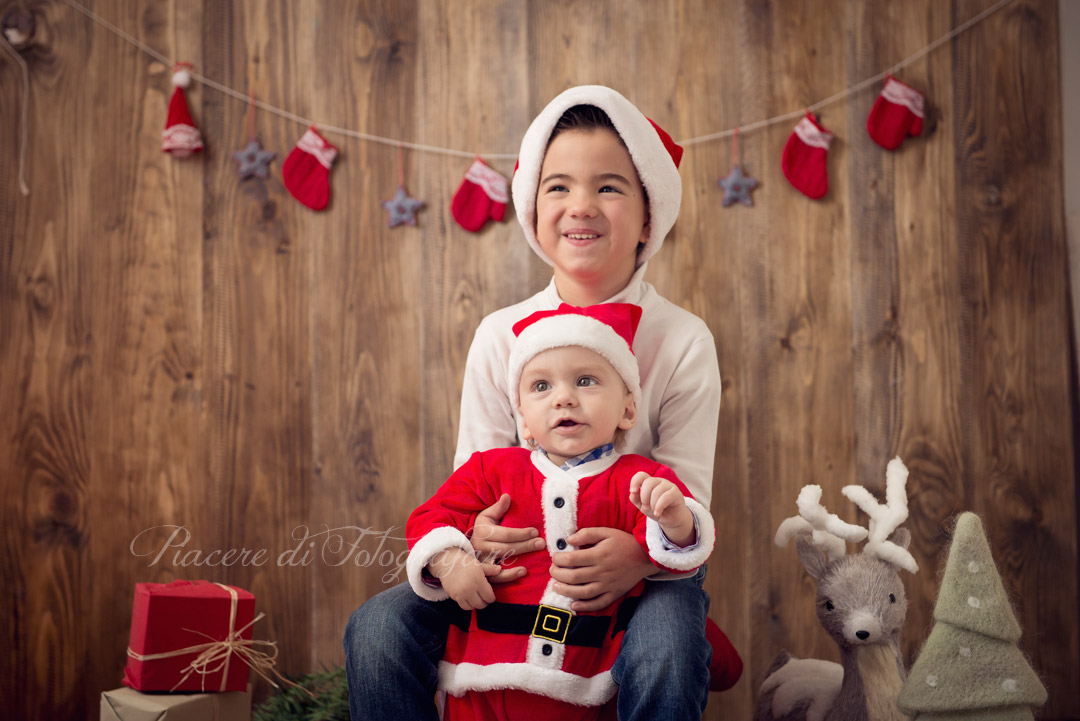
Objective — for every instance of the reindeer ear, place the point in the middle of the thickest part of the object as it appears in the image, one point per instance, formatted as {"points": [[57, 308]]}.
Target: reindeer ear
{"points": [[813, 558], [901, 537]]}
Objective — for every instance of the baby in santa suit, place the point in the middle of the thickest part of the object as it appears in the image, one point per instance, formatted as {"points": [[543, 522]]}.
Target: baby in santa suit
{"points": [[515, 650]]}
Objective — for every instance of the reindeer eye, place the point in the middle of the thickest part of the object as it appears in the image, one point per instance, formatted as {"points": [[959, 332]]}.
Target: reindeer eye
{"points": [[892, 598], [829, 605]]}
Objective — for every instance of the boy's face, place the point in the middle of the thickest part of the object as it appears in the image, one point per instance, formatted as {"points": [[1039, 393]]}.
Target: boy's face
{"points": [[572, 401], [590, 208]]}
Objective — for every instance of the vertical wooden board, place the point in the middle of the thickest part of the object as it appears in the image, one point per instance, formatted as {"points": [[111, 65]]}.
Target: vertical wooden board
{"points": [[796, 321], [17, 304], [1021, 479], [905, 304], [145, 280], [876, 41], [472, 96], [930, 418], [576, 42], [366, 329], [712, 96], [259, 305], [51, 374]]}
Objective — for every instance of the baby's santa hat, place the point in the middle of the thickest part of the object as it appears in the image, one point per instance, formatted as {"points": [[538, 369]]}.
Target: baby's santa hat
{"points": [[607, 329], [655, 155]]}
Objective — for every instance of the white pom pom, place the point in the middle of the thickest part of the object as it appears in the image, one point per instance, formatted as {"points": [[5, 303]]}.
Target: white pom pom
{"points": [[15, 36], [181, 78]]}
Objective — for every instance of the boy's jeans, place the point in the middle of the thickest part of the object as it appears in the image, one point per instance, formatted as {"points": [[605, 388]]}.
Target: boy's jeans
{"points": [[394, 642]]}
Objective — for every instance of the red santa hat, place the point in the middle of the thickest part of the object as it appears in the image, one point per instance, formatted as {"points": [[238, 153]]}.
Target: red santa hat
{"points": [[656, 157], [607, 329], [180, 137]]}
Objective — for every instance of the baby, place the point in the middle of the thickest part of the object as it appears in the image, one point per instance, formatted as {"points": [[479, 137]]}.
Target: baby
{"points": [[516, 649]]}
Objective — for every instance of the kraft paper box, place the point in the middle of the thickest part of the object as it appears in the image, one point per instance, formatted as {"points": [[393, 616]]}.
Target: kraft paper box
{"points": [[125, 704], [182, 615]]}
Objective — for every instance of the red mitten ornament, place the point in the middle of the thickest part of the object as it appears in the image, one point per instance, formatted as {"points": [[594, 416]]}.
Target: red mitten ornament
{"points": [[306, 172], [805, 156], [897, 113], [180, 137], [482, 196]]}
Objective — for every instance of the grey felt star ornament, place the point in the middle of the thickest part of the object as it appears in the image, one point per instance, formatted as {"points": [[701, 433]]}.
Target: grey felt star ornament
{"points": [[402, 208], [737, 186], [253, 160]]}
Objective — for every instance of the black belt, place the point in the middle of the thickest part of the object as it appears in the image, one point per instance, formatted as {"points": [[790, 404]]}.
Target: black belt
{"points": [[546, 622]]}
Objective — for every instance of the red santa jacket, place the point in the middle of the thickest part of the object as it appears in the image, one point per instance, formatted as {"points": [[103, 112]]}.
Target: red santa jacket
{"points": [[514, 643]]}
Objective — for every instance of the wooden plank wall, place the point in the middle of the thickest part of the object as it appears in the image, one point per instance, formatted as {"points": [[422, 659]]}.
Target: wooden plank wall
{"points": [[180, 349]]}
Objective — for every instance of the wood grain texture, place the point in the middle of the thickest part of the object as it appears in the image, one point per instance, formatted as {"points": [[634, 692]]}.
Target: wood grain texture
{"points": [[182, 349]]}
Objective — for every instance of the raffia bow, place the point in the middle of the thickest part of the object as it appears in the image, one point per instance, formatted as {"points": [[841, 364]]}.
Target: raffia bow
{"points": [[216, 655]]}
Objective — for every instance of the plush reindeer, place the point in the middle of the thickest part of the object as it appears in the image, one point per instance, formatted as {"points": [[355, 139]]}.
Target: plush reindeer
{"points": [[860, 602]]}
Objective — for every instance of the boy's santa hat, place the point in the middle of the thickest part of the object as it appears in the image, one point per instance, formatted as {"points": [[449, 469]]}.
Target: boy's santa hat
{"points": [[655, 155], [180, 137], [607, 329]]}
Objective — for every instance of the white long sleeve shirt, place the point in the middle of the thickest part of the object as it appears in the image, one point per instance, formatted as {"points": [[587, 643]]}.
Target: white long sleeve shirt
{"points": [[680, 385]]}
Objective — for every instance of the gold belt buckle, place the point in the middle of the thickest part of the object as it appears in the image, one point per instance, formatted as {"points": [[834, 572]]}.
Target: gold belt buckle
{"points": [[552, 624]]}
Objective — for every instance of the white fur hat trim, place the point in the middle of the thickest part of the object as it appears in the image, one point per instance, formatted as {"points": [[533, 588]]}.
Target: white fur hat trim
{"points": [[559, 331]]}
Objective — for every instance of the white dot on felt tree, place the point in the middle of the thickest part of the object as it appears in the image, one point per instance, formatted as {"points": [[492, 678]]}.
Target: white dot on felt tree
{"points": [[973, 566], [974, 602], [1010, 685], [965, 651], [931, 680]]}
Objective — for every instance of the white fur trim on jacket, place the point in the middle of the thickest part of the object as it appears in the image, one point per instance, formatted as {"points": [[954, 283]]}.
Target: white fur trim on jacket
{"points": [[421, 554], [560, 331], [596, 690], [683, 560], [654, 164]]}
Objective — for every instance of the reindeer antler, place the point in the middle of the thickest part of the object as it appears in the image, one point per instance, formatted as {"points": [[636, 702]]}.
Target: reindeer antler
{"points": [[884, 519], [826, 529]]}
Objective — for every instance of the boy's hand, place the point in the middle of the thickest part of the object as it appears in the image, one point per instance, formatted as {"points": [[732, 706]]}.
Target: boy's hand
{"points": [[495, 542], [599, 575], [662, 501], [464, 577]]}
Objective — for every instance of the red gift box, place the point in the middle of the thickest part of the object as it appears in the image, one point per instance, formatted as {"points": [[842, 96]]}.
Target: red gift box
{"points": [[176, 624]]}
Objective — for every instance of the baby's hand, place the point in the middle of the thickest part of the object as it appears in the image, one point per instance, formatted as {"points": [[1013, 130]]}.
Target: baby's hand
{"points": [[464, 577], [662, 501], [657, 498]]}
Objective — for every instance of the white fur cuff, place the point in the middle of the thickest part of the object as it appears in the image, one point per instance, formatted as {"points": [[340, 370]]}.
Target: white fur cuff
{"points": [[683, 560], [596, 690], [421, 554]]}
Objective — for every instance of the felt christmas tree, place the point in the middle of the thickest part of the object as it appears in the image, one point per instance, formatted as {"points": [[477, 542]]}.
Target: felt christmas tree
{"points": [[970, 667]]}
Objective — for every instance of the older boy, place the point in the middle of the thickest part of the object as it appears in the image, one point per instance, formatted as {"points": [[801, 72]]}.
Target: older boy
{"points": [[596, 191], [521, 652]]}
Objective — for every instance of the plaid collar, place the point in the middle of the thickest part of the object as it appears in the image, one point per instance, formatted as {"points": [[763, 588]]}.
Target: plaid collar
{"points": [[595, 454]]}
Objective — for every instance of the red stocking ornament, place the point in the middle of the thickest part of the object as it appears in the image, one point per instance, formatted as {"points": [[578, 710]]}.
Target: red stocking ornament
{"points": [[180, 137], [805, 156], [306, 172], [482, 196], [897, 113]]}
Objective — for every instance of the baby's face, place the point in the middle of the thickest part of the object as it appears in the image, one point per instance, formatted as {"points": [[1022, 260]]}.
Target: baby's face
{"points": [[572, 401]]}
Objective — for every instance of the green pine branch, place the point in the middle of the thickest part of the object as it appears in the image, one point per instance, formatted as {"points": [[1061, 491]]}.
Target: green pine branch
{"points": [[319, 696]]}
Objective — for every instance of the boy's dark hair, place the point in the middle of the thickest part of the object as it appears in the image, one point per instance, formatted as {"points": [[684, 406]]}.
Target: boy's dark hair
{"points": [[588, 118], [584, 117]]}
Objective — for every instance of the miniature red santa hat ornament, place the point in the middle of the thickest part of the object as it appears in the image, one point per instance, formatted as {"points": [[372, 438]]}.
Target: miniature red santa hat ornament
{"points": [[306, 172], [897, 113], [805, 156], [606, 329], [180, 137], [481, 197], [656, 157]]}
